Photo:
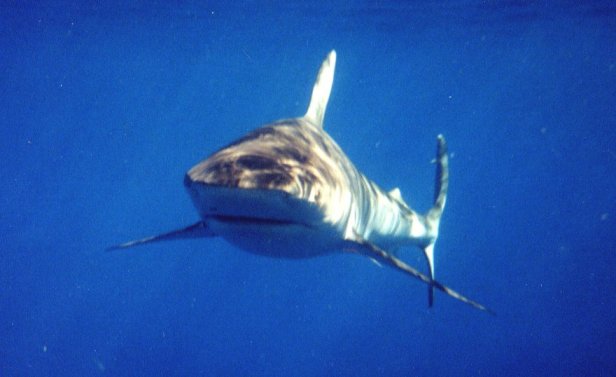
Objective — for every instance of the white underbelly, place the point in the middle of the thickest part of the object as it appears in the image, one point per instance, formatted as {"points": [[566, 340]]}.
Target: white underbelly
{"points": [[278, 240]]}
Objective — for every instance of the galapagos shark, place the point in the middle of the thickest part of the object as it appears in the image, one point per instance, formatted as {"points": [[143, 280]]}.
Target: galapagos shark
{"points": [[287, 190]]}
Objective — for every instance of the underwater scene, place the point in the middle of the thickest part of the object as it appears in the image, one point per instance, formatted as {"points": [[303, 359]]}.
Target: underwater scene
{"points": [[304, 248]]}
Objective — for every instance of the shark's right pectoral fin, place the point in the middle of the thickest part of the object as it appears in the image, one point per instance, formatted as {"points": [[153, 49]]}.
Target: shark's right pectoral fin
{"points": [[196, 230], [372, 251]]}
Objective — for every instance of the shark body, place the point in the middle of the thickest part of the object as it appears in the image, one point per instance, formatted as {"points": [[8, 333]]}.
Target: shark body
{"points": [[288, 190]]}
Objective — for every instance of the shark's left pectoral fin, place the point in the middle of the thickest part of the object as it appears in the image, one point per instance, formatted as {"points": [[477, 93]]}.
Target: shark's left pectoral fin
{"points": [[196, 230], [372, 251]]}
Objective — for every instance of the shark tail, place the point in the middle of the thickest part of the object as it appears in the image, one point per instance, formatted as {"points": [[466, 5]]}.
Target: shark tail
{"points": [[433, 218]]}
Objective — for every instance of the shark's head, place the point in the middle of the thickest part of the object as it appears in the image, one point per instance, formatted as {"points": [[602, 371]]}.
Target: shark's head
{"points": [[268, 158], [289, 157]]}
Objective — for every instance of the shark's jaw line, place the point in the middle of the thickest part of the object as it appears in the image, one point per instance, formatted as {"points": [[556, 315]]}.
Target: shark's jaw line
{"points": [[246, 220], [287, 190]]}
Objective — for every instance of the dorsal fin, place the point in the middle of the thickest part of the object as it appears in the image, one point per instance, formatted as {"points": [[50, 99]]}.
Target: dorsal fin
{"points": [[395, 193], [322, 89]]}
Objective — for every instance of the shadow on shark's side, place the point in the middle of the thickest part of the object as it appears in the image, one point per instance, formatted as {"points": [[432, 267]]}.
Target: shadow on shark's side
{"points": [[287, 190]]}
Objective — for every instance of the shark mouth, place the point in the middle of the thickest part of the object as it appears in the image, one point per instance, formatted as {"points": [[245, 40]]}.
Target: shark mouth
{"points": [[248, 220], [251, 206]]}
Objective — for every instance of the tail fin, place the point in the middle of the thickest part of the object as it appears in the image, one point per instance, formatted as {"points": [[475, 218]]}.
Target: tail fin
{"points": [[433, 218]]}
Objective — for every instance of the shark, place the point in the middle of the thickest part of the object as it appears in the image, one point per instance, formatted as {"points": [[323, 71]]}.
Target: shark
{"points": [[287, 190]]}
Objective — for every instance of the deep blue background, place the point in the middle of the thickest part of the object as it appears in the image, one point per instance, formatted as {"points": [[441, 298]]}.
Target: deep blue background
{"points": [[103, 107]]}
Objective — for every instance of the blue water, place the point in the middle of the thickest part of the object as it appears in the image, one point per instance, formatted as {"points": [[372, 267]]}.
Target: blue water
{"points": [[104, 106]]}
